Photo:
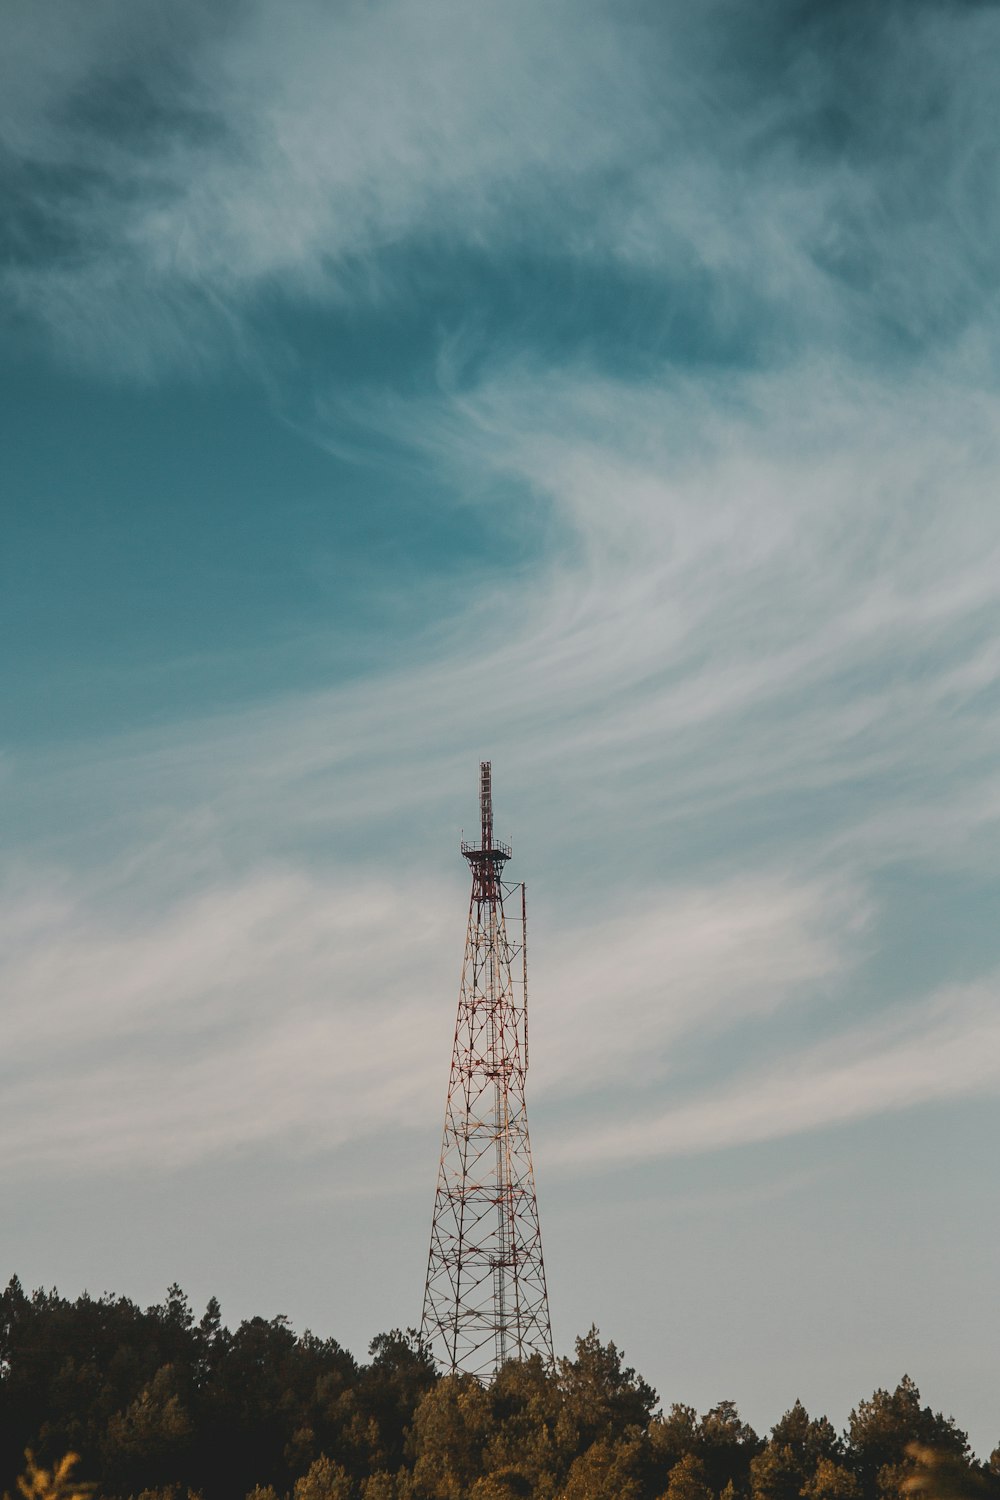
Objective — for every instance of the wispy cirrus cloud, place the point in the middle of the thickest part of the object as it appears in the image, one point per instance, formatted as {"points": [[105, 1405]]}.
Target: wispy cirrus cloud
{"points": [[747, 593], [305, 1013], [753, 602], [754, 589], [766, 173], [941, 1049], [275, 1007]]}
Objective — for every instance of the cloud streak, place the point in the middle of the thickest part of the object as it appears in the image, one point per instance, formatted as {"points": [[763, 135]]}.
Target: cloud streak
{"points": [[945, 1048], [755, 639], [252, 154], [313, 1012], [756, 602]]}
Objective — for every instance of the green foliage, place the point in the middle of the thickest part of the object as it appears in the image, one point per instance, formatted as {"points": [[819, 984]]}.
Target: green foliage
{"points": [[383, 1486], [607, 1471], [674, 1436], [501, 1484], [168, 1492], [881, 1430], [600, 1394], [521, 1454], [809, 1440], [687, 1480], [162, 1405], [450, 1429], [800, 1460], [831, 1481], [143, 1443], [777, 1473], [324, 1480], [728, 1446]]}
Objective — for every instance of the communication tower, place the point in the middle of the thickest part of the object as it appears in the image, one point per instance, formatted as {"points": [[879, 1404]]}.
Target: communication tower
{"points": [[485, 1299]]}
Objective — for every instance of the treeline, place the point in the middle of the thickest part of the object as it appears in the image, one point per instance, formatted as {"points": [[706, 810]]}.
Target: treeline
{"points": [[163, 1406]]}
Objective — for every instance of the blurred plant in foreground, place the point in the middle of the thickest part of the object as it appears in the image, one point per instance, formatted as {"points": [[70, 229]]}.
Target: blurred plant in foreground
{"points": [[37, 1483], [940, 1475]]}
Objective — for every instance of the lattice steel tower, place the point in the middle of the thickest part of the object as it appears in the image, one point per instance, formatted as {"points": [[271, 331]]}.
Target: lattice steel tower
{"points": [[485, 1300]]}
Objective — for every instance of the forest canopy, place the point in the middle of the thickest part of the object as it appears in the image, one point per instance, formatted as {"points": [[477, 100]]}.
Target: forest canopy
{"points": [[162, 1405]]}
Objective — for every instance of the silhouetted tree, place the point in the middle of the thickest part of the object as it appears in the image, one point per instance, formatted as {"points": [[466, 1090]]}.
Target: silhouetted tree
{"points": [[161, 1405], [881, 1430]]}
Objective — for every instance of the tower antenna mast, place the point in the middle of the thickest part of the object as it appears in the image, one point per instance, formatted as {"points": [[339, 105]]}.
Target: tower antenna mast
{"points": [[485, 1299]]}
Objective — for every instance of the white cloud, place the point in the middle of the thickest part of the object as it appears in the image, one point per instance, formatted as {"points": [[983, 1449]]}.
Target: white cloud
{"points": [[783, 609], [288, 148], [684, 963], [944, 1048], [278, 1006], [763, 586], [298, 149], [765, 592], [304, 1013], [759, 591], [760, 599]]}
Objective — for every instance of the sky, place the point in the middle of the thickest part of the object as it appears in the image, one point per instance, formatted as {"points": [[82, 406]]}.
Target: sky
{"points": [[608, 390]]}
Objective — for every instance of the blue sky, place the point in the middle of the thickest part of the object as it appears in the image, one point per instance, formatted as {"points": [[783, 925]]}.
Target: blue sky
{"points": [[607, 390]]}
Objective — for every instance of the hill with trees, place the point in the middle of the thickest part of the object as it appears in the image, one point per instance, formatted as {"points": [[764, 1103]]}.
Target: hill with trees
{"points": [[163, 1406]]}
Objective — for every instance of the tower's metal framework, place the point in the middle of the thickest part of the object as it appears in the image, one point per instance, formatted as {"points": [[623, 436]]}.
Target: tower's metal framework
{"points": [[485, 1299]]}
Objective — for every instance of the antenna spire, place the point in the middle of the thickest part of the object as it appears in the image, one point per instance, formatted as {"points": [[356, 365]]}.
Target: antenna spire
{"points": [[486, 801], [489, 856]]}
